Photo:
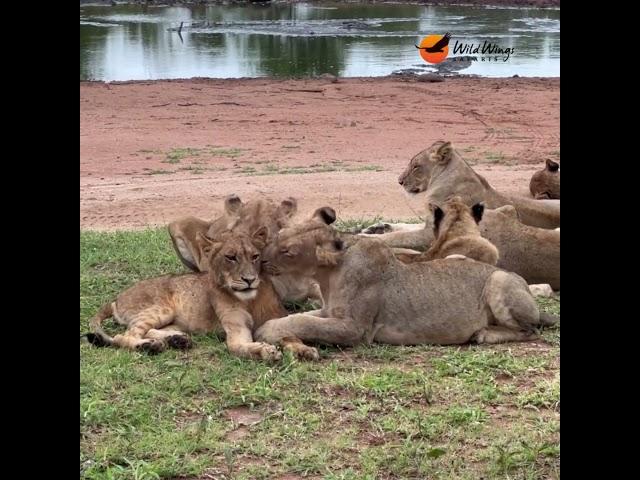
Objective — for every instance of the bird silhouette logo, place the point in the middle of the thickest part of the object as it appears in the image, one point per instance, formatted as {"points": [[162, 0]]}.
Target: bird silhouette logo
{"points": [[434, 48]]}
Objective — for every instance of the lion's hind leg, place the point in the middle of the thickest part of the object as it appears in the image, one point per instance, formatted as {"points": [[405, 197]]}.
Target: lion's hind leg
{"points": [[173, 337], [496, 334], [511, 305], [154, 317]]}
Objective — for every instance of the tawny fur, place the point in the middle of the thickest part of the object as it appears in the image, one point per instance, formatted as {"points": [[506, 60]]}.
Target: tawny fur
{"points": [[246, 217], [531, 252], [370, 296], [229, 298], [457, 233], [442, 173], [545, 183]]}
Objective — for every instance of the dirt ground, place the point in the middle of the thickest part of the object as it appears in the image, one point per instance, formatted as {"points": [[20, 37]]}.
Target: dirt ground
{"points": [[153, 151]]}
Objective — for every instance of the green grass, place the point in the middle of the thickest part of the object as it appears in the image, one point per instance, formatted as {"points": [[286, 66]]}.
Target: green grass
{"points": [[369, 412], [176, 155], [495, 157], [271, 169]]}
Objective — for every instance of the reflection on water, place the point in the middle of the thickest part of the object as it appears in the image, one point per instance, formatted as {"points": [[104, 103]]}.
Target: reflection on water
{"points": [[132, 42]]}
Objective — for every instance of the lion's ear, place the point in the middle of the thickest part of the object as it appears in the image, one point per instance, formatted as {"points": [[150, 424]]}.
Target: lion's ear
{"points": [[438, 215], [478, 211], [551, 165], [208, 246], [232, 205], [289, 207], [232, 208], [444, 152], [259, 237], [325, 214]]}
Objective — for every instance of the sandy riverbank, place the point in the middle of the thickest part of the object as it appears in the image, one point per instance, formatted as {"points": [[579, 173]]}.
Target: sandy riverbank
{"points": [[152, 151]]}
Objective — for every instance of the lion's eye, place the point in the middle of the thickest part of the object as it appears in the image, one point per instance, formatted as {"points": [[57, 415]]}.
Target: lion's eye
{"points": [[415, 169], [231, 258], [255, 257]]}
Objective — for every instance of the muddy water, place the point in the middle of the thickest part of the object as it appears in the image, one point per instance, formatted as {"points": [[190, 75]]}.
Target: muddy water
{"points": [[138, 43]]}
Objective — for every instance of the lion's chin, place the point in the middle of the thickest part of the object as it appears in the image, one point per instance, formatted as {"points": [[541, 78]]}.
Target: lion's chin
{"points": [[246, 295]]}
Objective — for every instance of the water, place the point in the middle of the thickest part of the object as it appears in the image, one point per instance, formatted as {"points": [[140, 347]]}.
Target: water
{"points": [[132, 42]]}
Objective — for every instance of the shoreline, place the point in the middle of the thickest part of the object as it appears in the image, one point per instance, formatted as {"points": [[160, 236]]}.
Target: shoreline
{"points": [[486, 3], [404, 77]]}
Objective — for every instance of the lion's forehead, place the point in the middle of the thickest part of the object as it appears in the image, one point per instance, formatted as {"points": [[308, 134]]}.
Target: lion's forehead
{"points": [[240, 247], [299, 233]]}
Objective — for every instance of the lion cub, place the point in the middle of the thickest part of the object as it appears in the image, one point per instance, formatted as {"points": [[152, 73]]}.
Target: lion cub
{"points": [[456, 231], [545, 183], [230, 298]]}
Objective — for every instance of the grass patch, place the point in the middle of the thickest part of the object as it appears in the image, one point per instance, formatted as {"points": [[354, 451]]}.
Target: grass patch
{"points": [[495, 157], [176, 155], [273, 169], [365, 168], [461, 412]]}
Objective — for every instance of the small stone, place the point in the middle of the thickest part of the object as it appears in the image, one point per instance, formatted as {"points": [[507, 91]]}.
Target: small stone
{"points": [[430, 77]]}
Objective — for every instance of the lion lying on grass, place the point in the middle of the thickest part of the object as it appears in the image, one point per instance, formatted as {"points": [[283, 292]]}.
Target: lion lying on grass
{"points": [[229, 298], [371, 296], [456, 232]]}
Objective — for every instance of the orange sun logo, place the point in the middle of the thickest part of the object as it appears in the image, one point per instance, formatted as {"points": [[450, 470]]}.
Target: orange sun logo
{"points": [[434, 48]]}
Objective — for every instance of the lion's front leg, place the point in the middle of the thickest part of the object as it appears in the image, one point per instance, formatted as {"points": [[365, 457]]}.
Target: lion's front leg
{"points": [[309, 328], [418, 239], [237, 326], [299, 349]]}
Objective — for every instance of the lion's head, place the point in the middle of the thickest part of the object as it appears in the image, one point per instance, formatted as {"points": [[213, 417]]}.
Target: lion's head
{"points": [[234, 261], [455, 212], [442, 173], [545, 183], [304, 247], [245, 217], [252, 215]]}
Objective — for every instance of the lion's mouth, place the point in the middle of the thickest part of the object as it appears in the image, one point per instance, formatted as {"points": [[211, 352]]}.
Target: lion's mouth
{"points": [[414, 190], [243, 289]]}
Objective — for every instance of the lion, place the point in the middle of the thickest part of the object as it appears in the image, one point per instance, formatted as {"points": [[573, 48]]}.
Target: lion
{"points": [[249, 217], [456, 232], [371, 296], [441, 172], [545, 183], [229, 299], [533, 253]]}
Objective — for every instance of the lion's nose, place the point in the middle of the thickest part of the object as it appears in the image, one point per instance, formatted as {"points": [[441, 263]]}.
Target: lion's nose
{"points": [[249, 280], [400, 181]]}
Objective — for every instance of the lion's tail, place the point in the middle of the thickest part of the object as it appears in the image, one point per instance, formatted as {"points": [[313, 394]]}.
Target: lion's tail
{"points": [[97, 336]]}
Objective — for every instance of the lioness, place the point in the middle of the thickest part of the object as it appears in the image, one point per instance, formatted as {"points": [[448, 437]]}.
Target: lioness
{"points": [[229, 299], [545, 183], [441, 172], [456, 232], [533, 253], [248, 217], [372, 296]]}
